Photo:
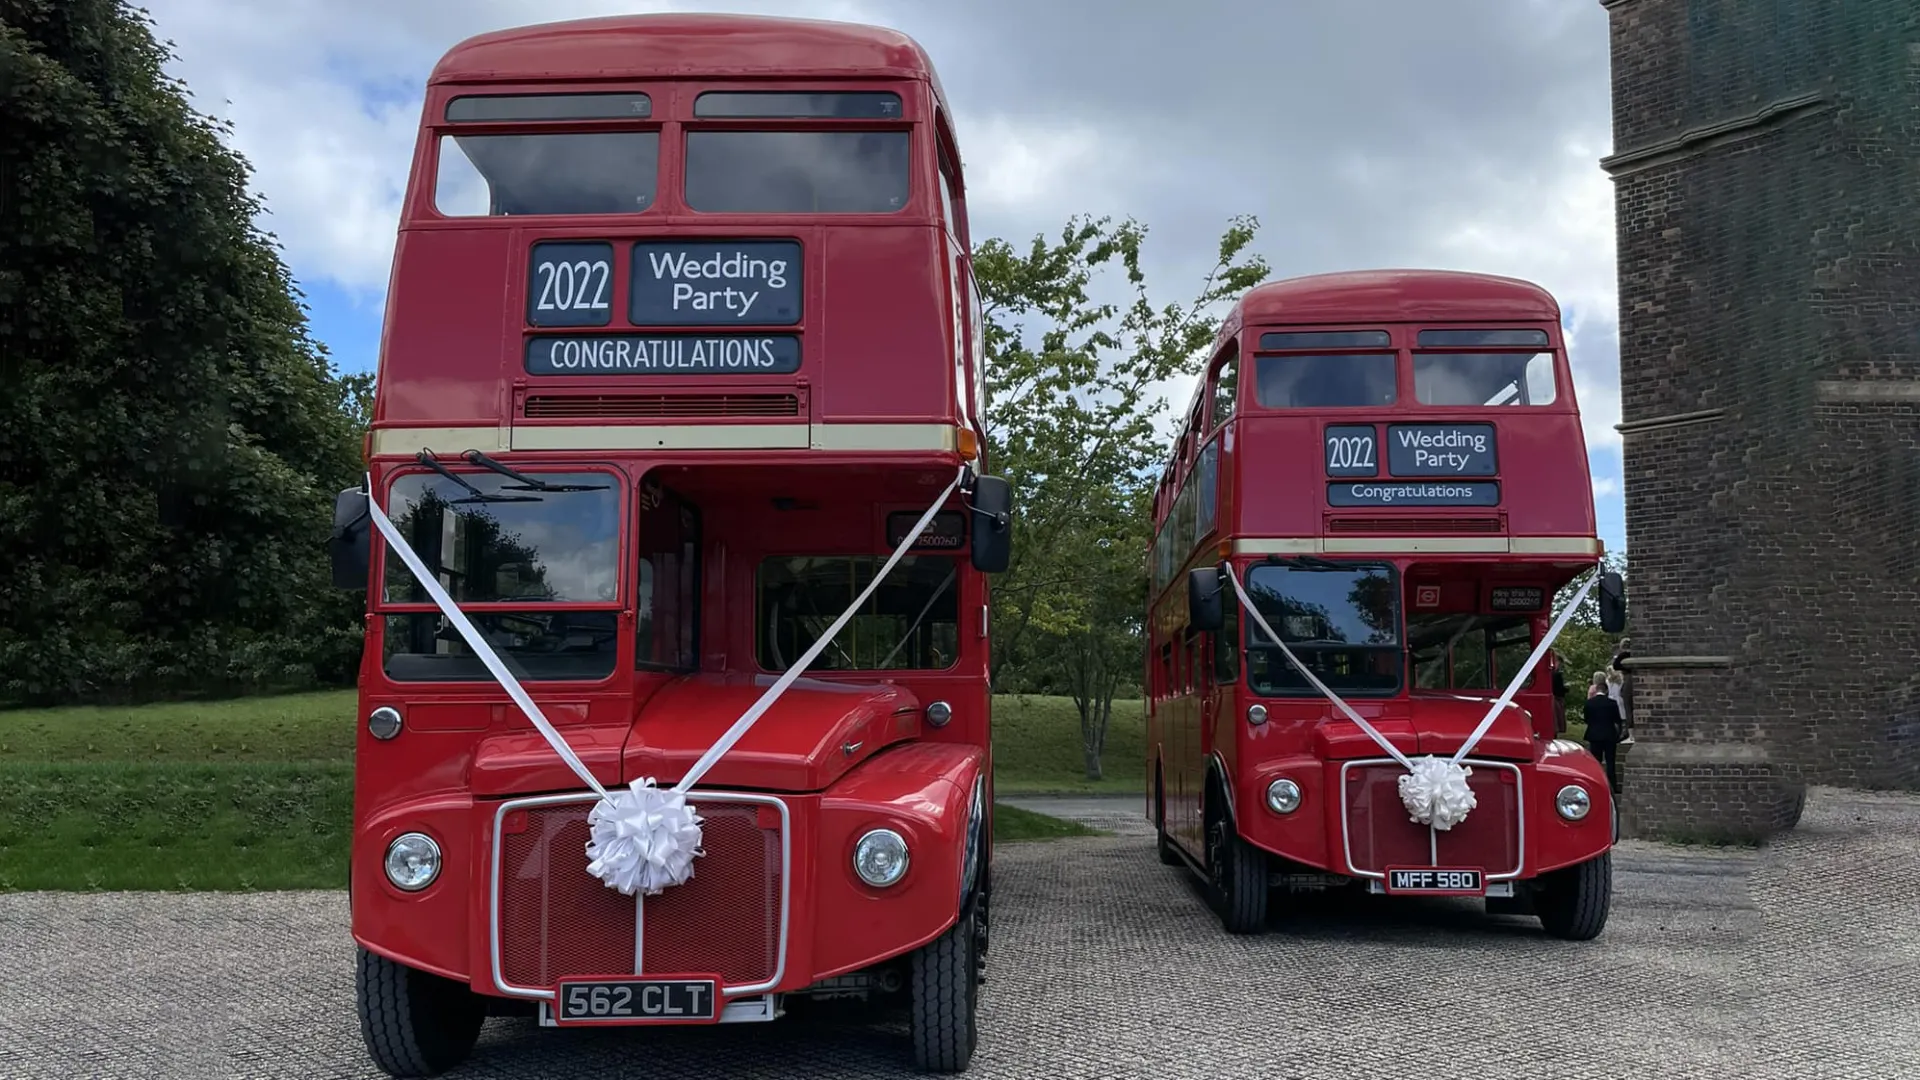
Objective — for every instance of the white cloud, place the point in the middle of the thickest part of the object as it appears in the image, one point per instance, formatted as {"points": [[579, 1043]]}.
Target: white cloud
{"points": [[1605, 487]]}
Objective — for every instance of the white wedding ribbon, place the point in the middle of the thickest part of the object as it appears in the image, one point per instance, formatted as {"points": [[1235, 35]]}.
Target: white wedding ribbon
{"points": [[1435, 791], [643, 837]]}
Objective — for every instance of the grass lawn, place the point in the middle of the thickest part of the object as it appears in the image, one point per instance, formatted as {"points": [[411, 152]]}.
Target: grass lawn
{"points": [[257, 793]]}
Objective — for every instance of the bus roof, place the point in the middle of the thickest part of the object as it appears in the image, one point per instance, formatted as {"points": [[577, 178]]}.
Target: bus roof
{"points": [[678, 45], [1395, 296]]}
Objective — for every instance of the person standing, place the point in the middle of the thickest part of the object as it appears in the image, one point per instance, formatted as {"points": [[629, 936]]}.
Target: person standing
{"points": [[1620, 685], [1603, 727]]}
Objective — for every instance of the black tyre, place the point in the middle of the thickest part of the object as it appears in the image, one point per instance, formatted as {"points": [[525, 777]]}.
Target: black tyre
{"points": [[414, 1023], [1237, 871], [1572, 903], [946, 997], [1162, 846]]}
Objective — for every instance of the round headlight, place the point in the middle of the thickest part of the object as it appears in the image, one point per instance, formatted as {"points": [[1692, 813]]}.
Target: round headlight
{"points": [[1283, 796], [880, 858], [413, 861], [384, 722], [939, 713], [1573, 802], [1256, 715]]}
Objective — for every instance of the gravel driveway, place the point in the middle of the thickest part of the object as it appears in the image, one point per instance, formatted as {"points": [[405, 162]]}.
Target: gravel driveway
{"points": [[1800, 960]]}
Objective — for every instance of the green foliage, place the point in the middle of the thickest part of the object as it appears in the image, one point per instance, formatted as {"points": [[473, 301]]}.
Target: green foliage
{"points": [[171, 438], [1012, 824], [1075, 400]]}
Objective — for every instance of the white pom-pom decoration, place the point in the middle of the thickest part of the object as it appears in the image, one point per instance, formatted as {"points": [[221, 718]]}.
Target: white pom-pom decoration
{"points": [[644, 838], [1435, 792]]}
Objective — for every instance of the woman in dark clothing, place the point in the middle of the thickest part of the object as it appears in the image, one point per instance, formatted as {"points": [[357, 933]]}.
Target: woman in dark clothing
{"points": [[1603, 727]]}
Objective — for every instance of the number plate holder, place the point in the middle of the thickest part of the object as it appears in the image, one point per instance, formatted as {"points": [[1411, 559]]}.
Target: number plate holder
{"points": [[1435, 881], [631, 999]]}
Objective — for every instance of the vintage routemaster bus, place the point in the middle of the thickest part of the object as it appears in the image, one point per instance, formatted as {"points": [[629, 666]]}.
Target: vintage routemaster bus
{"points": [[674, 707], [1378, 491]]}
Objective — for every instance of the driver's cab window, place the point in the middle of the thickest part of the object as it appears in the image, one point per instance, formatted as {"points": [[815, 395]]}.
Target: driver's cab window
{"points": [[1468, 652], [911, 622]]}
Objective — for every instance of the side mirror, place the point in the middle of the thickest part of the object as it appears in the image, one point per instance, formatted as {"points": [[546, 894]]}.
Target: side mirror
{"points": [[1203, 599], [992, 524], [351, 544], [1613, 603]]}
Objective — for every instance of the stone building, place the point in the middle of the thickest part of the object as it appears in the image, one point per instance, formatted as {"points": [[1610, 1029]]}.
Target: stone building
{"points": [[1767, 184]]}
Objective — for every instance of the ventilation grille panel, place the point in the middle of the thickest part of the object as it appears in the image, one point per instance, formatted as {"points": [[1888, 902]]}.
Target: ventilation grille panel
{"points": [[659, 406]]}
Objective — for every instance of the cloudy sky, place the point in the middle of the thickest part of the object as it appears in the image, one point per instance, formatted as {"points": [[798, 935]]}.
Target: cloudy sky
{"points": [[1362, 133]]}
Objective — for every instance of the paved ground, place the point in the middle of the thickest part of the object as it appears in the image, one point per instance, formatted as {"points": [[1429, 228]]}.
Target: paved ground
{"points": [[1106, 966]]}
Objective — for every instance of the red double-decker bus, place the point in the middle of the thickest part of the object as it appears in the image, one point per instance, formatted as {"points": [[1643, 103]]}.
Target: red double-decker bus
{"points": [[1376, 494], [674, 703]]}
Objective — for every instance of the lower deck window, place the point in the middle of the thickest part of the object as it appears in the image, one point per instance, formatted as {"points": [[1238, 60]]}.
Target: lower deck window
{"points": [[536, 646], [911, 622]]}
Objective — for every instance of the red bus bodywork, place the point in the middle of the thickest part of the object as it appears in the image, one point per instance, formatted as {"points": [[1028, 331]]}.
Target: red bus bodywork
{"points": [[761, 385], [1287, 470]]}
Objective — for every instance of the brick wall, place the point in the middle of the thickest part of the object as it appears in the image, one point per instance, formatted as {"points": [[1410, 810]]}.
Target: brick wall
{"points": [[1767, 160]]}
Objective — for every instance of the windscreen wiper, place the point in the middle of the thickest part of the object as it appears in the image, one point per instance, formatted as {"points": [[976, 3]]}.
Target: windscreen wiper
{"points": [[526, 483], [425, 457], [1306, 562]]}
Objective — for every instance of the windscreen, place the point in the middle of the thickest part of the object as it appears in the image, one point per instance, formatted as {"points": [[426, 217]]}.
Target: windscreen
{"points": [[490, 540], [1344, 624]]}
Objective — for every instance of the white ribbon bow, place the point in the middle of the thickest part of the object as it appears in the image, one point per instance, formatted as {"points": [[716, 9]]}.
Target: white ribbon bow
{"points": [[642, 837], [1435, 790]]}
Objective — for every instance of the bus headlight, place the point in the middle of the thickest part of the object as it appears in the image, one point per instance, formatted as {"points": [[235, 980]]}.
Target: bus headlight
{"points": [[1256, 715], [1573, 802], [413, 861], [1283, 796], [880, 858], [939, 713]]}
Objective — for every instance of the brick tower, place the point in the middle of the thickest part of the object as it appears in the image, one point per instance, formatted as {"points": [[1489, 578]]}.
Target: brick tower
{"points": [[1767, 192]]}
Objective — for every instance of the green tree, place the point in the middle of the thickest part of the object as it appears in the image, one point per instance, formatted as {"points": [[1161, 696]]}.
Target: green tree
{"points": [[170, 437], [1075, 401]]}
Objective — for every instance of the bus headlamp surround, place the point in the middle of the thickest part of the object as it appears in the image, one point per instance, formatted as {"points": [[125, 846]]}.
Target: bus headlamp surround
{"points": [[413, 861], [880, 858]]}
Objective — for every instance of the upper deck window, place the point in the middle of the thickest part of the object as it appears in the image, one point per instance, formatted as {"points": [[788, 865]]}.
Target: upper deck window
{"points": [[579, 172], [798, 172], [1515, 377], [1314, 379], [788, 105]]}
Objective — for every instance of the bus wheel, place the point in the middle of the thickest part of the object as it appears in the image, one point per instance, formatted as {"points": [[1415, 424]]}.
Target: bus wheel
{"points": [[1238, 873], [414, 1023], [1572, 903], [945, 998], [1162, 846]]}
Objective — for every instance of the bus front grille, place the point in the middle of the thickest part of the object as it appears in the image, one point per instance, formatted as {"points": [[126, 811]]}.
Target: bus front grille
{"points": [[554, 919], [1380, 834]]}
